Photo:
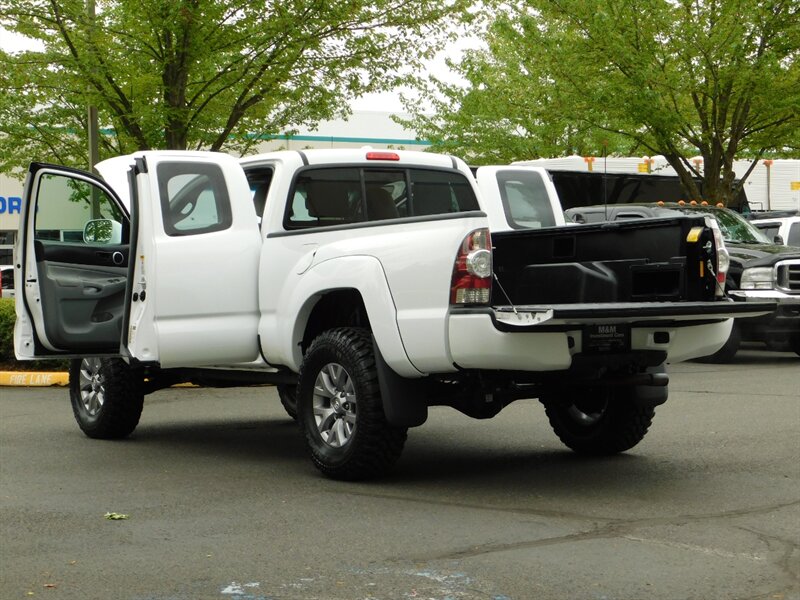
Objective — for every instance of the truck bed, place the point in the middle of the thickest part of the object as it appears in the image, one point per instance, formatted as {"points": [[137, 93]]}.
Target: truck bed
{"points": [[653, 260]]}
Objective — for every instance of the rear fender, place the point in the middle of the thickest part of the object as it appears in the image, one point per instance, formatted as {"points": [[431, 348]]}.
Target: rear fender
{"points": [[283, 332]]}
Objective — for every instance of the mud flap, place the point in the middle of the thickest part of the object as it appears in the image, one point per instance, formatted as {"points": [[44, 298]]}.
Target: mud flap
{"points": [[404, 400]]}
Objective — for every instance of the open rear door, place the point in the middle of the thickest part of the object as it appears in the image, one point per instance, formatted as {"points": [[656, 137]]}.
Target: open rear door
{"points": [[194, 280], [175, 283]]}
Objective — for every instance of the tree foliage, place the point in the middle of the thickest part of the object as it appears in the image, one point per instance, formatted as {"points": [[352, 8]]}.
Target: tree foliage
{"points": [[714, 78], [199, 74]]}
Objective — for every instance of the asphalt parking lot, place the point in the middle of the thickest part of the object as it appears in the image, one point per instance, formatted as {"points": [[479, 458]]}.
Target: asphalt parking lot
{"points": [[222, 503]]}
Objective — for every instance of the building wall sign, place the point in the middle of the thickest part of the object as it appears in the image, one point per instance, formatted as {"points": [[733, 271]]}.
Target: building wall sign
{"points": [[10, 205]]}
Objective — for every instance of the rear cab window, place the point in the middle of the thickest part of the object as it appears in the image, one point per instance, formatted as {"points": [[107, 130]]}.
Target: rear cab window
{"points": [[794, 235], [348, 195], [769, 229]]}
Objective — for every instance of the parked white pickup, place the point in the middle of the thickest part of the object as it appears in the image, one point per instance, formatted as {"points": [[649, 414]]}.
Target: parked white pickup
{"points": [[367, 285]]}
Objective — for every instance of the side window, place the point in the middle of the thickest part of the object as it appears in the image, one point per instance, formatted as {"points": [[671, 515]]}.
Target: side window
{"points": [[77, 212], [194, 198], [525, 199], [794, 235], [259, 179], [325, 197]]}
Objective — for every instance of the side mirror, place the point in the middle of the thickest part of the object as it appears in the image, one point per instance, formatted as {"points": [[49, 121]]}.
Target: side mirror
{"points": [[102, 231], [778, 240]]}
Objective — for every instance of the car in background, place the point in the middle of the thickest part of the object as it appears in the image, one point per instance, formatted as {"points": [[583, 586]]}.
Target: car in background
{"points": [[781, 228], [6, 281], [759, 270]]}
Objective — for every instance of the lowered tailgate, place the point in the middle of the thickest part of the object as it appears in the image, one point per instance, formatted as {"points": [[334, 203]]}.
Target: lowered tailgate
{"points": [[651, 314]]}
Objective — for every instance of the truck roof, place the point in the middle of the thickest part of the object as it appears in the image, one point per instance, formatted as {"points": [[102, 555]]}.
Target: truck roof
{"points": [[357, 155]]}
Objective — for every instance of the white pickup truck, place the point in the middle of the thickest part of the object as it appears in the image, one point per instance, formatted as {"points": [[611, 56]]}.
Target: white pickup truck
{"points": [[366, 285]]}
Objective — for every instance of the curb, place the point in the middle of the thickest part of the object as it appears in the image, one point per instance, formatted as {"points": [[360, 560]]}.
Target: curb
{"points": [[48, 379], [33, 379]]}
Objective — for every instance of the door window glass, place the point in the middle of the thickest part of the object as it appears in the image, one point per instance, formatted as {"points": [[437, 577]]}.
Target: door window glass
{"points": [[260, 180], [65, 206], [194, 198]]}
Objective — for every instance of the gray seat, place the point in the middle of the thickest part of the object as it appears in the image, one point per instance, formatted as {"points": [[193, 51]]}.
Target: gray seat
{"points": [[260, 198], [328, 201], [380, 204]]}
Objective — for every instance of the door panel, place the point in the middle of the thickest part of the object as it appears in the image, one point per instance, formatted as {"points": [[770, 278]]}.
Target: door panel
{"points": [[195, 273], [85, 305], [75, 282]]}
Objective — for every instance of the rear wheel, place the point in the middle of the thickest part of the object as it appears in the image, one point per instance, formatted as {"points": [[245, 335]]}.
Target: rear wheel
{"points": [[106, 395], [599, 420], [794, 343], [340, 411], [728, 351]]}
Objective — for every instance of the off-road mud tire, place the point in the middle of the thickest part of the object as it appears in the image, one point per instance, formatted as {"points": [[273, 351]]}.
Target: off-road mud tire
{"points": [[107, 399], [599, 420], [368, 446]]}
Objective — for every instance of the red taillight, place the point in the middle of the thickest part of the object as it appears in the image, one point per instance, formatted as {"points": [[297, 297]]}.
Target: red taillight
{"points": [[723, 260], [383, 156], [472, 271]]}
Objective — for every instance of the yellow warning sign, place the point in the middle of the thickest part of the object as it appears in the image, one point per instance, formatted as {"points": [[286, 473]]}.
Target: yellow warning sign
{"points": [[643, 168], [795, 186], [22, 378]]}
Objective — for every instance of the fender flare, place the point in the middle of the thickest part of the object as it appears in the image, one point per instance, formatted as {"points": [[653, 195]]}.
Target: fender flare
{"points": [[281, 332]]}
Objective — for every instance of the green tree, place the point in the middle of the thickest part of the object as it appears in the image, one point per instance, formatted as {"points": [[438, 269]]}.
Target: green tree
{"points": [[199, 74], [714, 78]]}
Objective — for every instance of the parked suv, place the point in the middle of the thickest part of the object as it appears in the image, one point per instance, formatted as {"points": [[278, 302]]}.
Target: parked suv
{"points": [[759, 269]]}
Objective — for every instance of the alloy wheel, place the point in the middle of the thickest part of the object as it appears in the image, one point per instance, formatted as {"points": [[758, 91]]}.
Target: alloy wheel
{"points": [[92, 386], [334, 405]]}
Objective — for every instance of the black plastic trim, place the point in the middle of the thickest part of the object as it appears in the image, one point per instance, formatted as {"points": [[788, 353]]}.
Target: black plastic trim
{"points": [[140, 165], [382, 223], [132, 254]]}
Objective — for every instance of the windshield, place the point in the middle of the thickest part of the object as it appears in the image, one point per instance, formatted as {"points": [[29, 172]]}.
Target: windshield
{"points": [[735, 228]]}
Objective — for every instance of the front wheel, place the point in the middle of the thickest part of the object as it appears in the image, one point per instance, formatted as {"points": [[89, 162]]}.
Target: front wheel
{"points": [[107, 397], [339, 408], [288, 396], [599, 420]]}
